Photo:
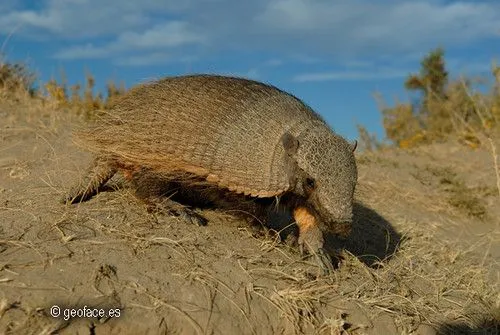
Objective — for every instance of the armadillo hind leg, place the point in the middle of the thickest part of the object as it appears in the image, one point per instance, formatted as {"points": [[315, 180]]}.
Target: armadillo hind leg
{"points": [[97, 174], [311, 238], [154, 189]]}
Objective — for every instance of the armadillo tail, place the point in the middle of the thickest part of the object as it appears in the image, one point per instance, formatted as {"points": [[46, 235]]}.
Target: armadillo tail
{"points": [[98, 173]]}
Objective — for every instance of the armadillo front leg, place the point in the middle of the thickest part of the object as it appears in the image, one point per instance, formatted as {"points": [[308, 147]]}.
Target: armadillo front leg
{"points": [[97, 174], [311, 238]]}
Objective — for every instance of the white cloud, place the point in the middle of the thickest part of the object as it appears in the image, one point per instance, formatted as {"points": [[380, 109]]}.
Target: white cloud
{"points": [[75, 19], [351, 75], [152, 59], [170, 34], [469, 67], [162, 36], [358, 64], [350, 27], [147, 59], [273, 62], [31, 19], [366, 71], [87, 51], [317, 30]]}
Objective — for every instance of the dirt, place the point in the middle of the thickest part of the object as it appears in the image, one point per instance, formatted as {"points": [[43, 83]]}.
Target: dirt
{"points": [[423, 257]]}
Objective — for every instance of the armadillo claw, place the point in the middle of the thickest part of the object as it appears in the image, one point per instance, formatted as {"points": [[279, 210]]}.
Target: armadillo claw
{"points": [[169, 207], [187, 215], [324, 261], [302, 250], [76, 194], [193, 217], [66, 199]]}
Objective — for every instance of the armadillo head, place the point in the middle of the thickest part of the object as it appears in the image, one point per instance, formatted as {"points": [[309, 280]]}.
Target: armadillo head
{"points": [[325, 175]]}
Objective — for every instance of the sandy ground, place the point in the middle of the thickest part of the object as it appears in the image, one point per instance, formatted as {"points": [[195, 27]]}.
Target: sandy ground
{"points": [[423, 257]]}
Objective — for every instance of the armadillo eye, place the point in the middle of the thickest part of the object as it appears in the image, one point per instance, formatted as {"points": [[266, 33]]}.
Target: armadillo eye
{"points": [[310, 183]]}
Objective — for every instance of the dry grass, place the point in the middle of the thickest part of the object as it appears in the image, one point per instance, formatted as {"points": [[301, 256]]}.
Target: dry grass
{"points": [[156, 267]]}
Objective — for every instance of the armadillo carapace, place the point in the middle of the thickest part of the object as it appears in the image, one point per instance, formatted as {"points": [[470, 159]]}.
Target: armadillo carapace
{"points": [[227, 141]]}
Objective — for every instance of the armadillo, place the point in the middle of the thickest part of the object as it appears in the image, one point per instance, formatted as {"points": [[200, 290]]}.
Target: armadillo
{"points": [[225, 137]]}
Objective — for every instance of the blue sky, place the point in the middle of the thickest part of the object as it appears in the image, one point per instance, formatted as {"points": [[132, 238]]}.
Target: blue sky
{"points": [[333, 54]]}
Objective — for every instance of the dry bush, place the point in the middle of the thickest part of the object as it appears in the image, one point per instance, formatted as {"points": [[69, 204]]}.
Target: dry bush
{"points": [[446, 109], [16, 81], [402, 126], [82, 100]]}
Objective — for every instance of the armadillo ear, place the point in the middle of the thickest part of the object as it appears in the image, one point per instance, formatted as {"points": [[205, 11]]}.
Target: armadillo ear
{"points": [[290, 143], [354, 145]]}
